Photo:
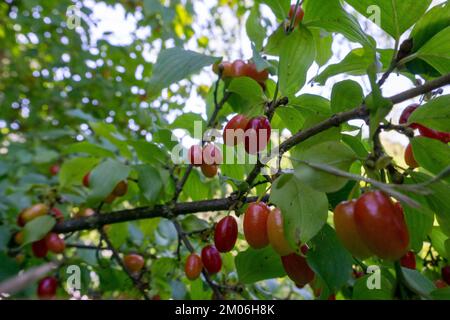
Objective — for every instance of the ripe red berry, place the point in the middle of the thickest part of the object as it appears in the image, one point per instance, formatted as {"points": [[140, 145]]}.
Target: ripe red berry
{"points": [[193, 266], [54, 243], [86, 179], [407, 113], [255, 225], [298, 14], [134, 262], [47, 288], [227, 70], [121, 189], [57, 214], [297, 269], [196, 155], [275, 233], [20, 221], [54, 169], [258, 76], [238, 68], [408, 260], [445, 271], [39, 248], [211, 154], [439, 283], [211, 259], [234, 131], [257, 134], [225, 234], [409, 157], [434, 134], [209, 170]]}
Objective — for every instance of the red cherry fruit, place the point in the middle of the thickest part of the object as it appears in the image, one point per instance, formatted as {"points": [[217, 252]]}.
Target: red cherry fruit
{"points": [[226, 68], [196, 155], [297, 269], [209, 170], [238, 68], [439, 283], [408, 260], [234, 131], [381, 225], [211, 154], [298, 14], [47, 288], [20, 221], [121, 189], [54, 169], [346, 230], [57, 214], [433, 134], [257, 134], [255, 225], [54, 243], [409, 157], [259, 76], [86, 179], [193, 266], [445, 271], [211, 259], [407, 113], [134, 262], [39, 248], [225, 234]]}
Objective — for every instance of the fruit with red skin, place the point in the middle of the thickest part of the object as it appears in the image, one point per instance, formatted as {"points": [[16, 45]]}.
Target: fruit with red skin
{"points": [[193, 266], [298, 14], [381, 225], [358, 274], [47, 288], [434, 134], [297, 269], [33, 212], [54, 169], [196, 155], [409, 157], [275, 233], [407, 113], [156, 297], [110, 198], [439, 283], [54, 243], [211, 154], [238, 68], [20, 221], [86, 179], [257, 134], [346, 230], [227, 70], [211, 259], [445, 272], [408, 260], [209, 170], [121, 189], [258, 76], [332, 297], [57, 214], [225, 234], [233, 133], [86, 212], [255, 225], [39, 248], [134, 262]]}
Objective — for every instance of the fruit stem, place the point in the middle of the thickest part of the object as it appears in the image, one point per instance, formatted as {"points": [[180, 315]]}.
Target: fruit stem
{"points": [[263, 194]]}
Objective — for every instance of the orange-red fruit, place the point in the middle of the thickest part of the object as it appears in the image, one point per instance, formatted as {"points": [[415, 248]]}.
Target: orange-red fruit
{"points": [[57, 214], [275, 233], [134, 262], [193, 266], [255, 225], [33, 212], [18, 238], [47, 288], [298, 14], [409, 157], [234, 131], [211, 259], [225, 234], [344, 223], [257, 136], [226, 69], [209, 170], [20, 221], [54, 243], [196, 155], [238, 68], [252, 72], [86, 179], [121, 189], [110, 198], [211, 154], [439, 283], [54, 169], [408, 260], [297, 269], [381, 225], [39, 248]]}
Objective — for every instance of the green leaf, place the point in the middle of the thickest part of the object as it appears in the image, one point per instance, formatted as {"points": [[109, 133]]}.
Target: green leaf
{"points": [[73, 170], [346, 95], [436, 51], [304, 209], [279, 7], [325, 254], [88, 148], [248, 89], [149, 182], [110, 133], [104, 178], [256, 265], [188, 121], [255, 30], [361, 289], [324, 42], [418, 282], [118, 234], [441, 294], [438, 240], [38, 228], [313, 104], [396, 16], [297, 52], [149, 152], [193, 223], [435, 114], [195, 188], [176, 64], [332, 153], [431, 154], [287, 117], [8, 267], [331, 16]]}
